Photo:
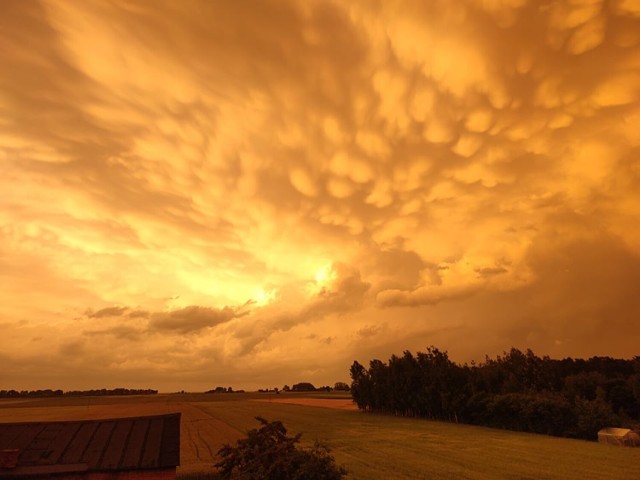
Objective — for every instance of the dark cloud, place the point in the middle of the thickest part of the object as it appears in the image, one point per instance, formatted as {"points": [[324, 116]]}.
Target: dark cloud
{"points": [[581, 302], [73, 348], [324, 340], [107, 312], [192, 319], [123, 332], [427, 295], [585, 294], [396, 268], [490, 271], [368, 331]]}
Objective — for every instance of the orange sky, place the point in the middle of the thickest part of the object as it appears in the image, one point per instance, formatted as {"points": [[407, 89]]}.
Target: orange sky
{"points": [[203, 193]]}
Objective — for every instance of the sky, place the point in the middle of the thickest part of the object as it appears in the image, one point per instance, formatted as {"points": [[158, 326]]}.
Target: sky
{"points": [[258, 193]]}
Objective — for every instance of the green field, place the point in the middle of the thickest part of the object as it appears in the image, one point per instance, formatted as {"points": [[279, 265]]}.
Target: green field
{"points": [[370, 446]]}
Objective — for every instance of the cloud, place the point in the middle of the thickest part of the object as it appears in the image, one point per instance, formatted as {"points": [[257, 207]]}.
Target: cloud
{"points": [[395, 268], [424, 296], [73, 348], [491, 271], [368, 331], [193, 318], [343, 293], [122, 332], [187, 320], [331, 164], [107, 312], [582, 297]]}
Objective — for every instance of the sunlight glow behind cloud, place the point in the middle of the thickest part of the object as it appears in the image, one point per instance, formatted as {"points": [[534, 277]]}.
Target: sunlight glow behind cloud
{"points": [[198, 193]]}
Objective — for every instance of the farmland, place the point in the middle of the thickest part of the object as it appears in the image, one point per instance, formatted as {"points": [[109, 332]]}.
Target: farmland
{"points": [[369, 446]]}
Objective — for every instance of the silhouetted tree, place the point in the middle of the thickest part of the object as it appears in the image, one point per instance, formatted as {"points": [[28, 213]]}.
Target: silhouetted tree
{"points": [[517, 390], [360, 386], [303, 387]]}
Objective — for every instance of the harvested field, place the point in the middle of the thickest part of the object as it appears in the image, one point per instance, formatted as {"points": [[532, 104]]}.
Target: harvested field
{"points": [[5, 401], [337, 404], [201, 437], [371, 447]]}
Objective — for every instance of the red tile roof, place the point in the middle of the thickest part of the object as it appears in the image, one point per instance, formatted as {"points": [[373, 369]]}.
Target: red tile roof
{"points": [[93, 445]]}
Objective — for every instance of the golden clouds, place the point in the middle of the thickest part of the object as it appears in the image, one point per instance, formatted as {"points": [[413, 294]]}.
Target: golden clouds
{"points": [[303, 182], [201, 161], [621, 89]]}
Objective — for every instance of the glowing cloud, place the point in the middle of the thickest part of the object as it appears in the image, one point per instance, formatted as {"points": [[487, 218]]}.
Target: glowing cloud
{"points": [[193, 187]]}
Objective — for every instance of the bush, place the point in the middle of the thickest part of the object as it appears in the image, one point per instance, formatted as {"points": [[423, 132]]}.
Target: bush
{"points": [[268, 453], [591, 416]]}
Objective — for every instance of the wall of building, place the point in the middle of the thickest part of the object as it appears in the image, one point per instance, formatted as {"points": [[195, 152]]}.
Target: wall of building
{"points": [[164, 474], [160, 474]]}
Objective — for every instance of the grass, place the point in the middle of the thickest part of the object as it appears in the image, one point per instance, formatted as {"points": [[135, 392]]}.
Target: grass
{"points": [[384, 447], [370, 446]]}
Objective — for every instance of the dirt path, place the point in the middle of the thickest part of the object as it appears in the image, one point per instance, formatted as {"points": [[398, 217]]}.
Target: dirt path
{"points": [[201, 437], [338, 404]]}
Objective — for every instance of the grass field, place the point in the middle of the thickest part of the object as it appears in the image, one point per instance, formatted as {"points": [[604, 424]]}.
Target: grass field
{"points": [[370, 446]]}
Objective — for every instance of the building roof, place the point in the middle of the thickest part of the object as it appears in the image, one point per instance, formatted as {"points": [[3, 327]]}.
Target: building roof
{"points": [[616, 432], [134, 443], [619, 436]]}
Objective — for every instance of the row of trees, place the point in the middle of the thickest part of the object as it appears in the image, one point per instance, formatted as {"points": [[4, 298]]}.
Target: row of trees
{"points": [[223, 390], [75, 393], [517, 391], [307, 387]]}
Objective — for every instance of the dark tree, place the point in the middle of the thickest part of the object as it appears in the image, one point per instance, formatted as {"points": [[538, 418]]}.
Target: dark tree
{"points": [[303, 387], [269, 453], [517, 390], [361, 386]]}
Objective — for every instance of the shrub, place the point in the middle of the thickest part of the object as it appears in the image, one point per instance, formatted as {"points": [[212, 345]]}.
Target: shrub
{"points": [[592, 415], [268, 453]]}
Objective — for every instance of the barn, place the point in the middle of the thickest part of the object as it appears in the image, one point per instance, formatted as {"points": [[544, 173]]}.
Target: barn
{"points": [[619, 436], [133, 448]]}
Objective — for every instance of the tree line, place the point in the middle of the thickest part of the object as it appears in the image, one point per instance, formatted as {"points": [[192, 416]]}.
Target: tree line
{"points": [[307, 387], [516, 391], [75, 393]]}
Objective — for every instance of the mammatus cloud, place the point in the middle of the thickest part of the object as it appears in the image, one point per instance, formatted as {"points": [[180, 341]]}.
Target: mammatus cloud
{"points": [[382, 175]]}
